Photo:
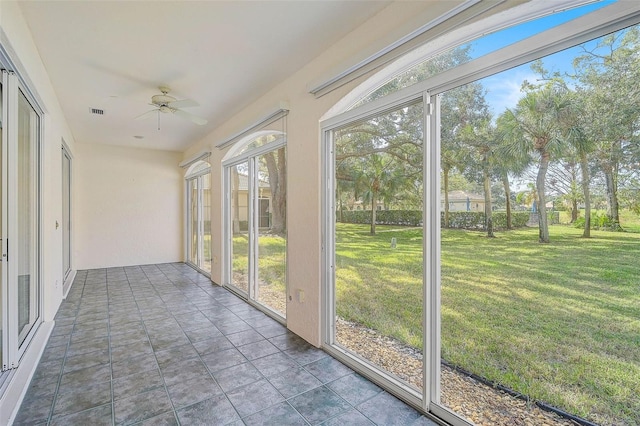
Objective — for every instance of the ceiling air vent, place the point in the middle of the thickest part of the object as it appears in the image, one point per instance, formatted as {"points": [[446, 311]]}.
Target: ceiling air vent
{"points": [[96, 111]]}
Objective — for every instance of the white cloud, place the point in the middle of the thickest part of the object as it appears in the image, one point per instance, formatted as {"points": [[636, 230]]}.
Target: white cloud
{"points": [[503, 89]]}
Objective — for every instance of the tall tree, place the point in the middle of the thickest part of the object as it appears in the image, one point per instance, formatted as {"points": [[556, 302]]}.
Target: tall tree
{"points": [[564, 181], [276, 163], [378, 180], [381, 158], [481, 144], [537, 125], [608, 73], [455, 106], [463, 111]]}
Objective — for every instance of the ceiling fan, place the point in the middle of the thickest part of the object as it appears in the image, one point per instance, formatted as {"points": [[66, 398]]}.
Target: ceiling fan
{"points": [[168, 104]]}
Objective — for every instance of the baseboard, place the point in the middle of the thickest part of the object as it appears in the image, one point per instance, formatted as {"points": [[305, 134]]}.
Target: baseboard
{"points": [[68, 283], [17, 388]]}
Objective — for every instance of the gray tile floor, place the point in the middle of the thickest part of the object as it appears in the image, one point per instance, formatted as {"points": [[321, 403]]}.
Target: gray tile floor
{"points": [[161, 345]]}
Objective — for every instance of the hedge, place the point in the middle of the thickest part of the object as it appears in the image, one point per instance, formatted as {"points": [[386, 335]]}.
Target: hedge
{"points": [[458, 220]]}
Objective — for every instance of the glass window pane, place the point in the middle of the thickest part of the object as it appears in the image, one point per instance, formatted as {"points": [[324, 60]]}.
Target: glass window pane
{"points": [[240, 226], [528, 301], [272, 230], [487, 43], [379, 242]]}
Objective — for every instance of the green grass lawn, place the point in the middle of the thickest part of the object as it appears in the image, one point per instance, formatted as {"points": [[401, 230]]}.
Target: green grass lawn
{"points": [[271, 259], [559, 322]]}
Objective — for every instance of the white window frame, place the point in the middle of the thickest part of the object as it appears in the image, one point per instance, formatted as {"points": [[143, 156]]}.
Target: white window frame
{"points": [[15, 344], [198, 177], [234, 157], [596, 24], [68, 275], [395, 102]]}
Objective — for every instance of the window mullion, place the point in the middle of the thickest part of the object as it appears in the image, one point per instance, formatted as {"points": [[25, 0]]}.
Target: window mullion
{"points": [[10, 92]]}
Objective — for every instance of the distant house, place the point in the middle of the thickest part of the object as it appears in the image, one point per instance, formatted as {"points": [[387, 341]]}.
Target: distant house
{"points": [[264, 201], [359, 205], [463, 201]]}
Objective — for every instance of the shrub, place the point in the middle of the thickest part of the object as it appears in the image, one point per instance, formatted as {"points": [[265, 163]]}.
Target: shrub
{"points": [[457, 220], [599, 221]]}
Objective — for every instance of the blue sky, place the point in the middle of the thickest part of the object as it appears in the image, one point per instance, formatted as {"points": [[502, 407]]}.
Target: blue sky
{"points": [[503, 89]]}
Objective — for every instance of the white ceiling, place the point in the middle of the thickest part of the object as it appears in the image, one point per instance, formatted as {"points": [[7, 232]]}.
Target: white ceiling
{"points": [[222, 54]]}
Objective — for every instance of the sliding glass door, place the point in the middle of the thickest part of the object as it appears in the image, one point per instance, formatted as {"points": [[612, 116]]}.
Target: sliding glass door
{"points": [[26, 202], [376, 309], [199, 216], [66, 213], [256, 222], [19, 196]]}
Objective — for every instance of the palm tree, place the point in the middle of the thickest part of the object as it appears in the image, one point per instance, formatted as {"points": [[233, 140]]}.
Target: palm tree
{"points": [[538, 125], [377, 179]]}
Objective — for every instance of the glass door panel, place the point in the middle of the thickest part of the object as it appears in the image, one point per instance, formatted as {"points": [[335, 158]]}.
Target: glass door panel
{"points": [[27, 218], [2, 232], [239, 243], [66, 213], [270, 290], [199, 218], [378, 282]]}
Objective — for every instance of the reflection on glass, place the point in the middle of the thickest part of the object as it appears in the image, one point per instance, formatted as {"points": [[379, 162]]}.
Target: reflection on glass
{"points": [[28, 306], [378, 245], [240, 226], [272, 231]]}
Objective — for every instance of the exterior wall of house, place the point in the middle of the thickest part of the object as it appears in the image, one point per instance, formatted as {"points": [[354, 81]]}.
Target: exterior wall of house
{"points": [[15, 38], [304, 163], [129, 206]]}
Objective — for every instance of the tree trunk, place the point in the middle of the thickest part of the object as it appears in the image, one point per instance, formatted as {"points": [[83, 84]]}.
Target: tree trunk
{"points": [[507, 192], [613, 209], [487, 197], [374, 197], [584, 167], [278, 184], [445, 182], [543, 223], [574, 209], [236, 200]]}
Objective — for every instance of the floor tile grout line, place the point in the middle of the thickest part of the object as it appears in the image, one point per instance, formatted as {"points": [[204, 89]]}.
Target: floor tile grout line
{"points": [[164, 385], [113, 402], [121, 282], [210, 375], [166, 388], [174, 410]]}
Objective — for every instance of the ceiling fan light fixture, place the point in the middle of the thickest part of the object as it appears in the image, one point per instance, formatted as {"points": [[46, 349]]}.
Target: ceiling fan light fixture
{"points": [[168, 104]]}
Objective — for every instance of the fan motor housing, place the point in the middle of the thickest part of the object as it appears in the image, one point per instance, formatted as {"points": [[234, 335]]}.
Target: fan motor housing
{"points": [[163, 99]]}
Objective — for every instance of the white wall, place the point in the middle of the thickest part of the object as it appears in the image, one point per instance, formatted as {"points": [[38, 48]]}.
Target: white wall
{"points": [[303, 151], [128, 206], [15, 38]]}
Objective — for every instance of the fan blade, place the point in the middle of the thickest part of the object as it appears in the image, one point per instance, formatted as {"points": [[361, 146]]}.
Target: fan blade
{"points": [[191, 117], [146, 115], [184, 103]]}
